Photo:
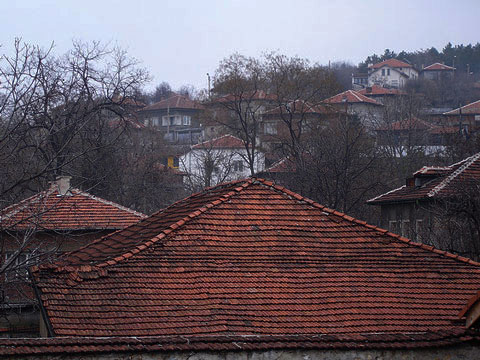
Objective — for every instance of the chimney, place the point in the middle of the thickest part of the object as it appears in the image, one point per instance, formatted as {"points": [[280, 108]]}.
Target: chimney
{"points": [[63, 185]]}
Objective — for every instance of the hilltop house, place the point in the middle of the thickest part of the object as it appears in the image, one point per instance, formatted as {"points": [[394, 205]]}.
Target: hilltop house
{"points": [[391, 73], [437, 71], [437, 206], [40, 228], [368, 111], [178, 117], [249, 269]]}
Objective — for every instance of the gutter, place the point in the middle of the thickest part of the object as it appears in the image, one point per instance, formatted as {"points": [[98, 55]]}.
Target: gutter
{"points": [[43, 311]]}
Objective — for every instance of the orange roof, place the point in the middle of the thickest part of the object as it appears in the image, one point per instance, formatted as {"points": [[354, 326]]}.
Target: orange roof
{"points": [[350, 96], [249, 258], [377, 90], [222, 142], [174, 102], [393, 63], [445, 181], [469, 109], [77, 210], [438, 67]]}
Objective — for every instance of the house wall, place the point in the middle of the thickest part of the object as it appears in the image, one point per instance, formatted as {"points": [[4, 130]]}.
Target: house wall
{"points": [[395, 79], [467, 351], [225, 161], [411, 220]]}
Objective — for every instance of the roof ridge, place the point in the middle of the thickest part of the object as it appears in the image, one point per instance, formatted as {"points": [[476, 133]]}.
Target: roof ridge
{"points": [[23, 204], [175, 225], [448, 179], [107, 202], [364, 223], [388, 192], [459, 108]]}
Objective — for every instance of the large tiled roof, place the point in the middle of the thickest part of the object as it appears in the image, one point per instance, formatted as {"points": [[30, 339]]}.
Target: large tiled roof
{"points": [[393, 63], [222, 142], [77, 210], [469, 109], [174, 102], [256, 95], [250, 258], [441, 182], [350, 96]]}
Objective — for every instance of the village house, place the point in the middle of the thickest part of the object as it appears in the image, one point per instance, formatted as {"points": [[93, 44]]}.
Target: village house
{"points": [[391, 73], [40, 228], [466, 118], [437, 71], [367, 111], [381, 94], [431, 206], [249, 269], [415, 135], [217, 160], [178, 117], [297, 117]]}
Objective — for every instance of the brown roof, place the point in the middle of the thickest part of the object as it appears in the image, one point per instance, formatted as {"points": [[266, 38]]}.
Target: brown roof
{"points": [[222, 142], [445, 181], [174, 102], [284, 165], [249, 258], [393, 63], [438, 67], [377, 90], [77, 210], [469, 109], [350, 96]]}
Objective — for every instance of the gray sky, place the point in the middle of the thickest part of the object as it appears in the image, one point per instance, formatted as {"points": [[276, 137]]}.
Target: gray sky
{"points": [[180, 41]]}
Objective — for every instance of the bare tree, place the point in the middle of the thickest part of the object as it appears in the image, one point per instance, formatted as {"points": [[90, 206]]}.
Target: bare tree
{"points": [[56, 112]]}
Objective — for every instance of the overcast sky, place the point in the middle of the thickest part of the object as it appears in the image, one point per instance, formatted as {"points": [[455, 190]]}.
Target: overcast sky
{"points": [[180, 41]]}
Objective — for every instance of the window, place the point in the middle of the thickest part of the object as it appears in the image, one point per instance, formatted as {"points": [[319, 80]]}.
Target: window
{"points": [[19, 266], [388, 72], [270, 128], [392, 226], [171, 120], [418, 229], [405, 228], [187, 120], [238, 165], [383, 72]]}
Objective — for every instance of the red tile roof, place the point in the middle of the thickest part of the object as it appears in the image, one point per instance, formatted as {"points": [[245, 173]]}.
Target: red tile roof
{"points": [[438, 67], [251, 258], [174, 102], [350, 96], [77, 210], [376, 90], [393, 63], [445, 181], [469, 109], [222, 142]]}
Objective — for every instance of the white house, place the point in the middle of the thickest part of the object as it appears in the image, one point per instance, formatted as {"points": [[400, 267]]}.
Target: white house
{"points": [[391, 73], [218, 160]]}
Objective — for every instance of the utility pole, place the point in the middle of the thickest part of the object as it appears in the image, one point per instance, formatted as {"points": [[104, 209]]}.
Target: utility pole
{"points": [[208, 77]]}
